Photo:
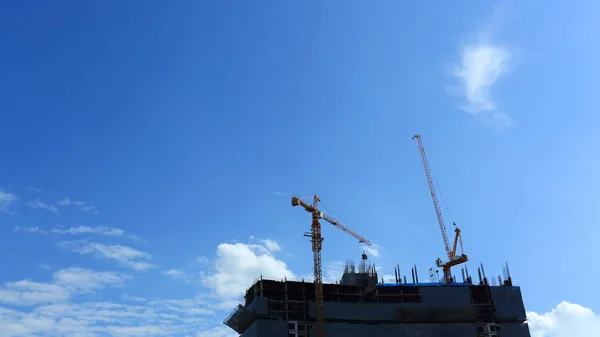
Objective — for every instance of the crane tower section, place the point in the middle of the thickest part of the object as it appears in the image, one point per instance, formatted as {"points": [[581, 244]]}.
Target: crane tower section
{"points": [[317, 240]]}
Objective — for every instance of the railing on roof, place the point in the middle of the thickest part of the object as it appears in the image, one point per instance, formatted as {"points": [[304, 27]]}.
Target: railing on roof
{"points": [[432, 284]]}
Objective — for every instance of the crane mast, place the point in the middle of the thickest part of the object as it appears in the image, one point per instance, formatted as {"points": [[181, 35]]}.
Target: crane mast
{"points": [[451, 253], [317, 240]]}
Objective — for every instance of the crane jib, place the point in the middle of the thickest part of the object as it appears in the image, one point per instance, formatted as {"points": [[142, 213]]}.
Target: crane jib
{"points": [[452, 258]]}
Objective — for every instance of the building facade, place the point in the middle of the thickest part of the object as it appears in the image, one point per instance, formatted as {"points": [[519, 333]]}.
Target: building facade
{"points": [[359, 306]]}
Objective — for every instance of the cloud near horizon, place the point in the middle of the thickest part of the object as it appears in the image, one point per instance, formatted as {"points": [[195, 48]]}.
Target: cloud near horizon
{"points": [[565, 320], [63, 306]]}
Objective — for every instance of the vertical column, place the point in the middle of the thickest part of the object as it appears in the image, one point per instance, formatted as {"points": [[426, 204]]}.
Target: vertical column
{"points": [[481, 297], [285, 301]]}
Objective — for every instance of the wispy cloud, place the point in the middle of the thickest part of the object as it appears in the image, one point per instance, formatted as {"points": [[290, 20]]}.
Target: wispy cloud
{"points": [[27, 292], [87, 280], [124, 255], [202, 259], [38, 203], [29, 230], [480, 67], [81, 204], [36, 308], [271, 245], [482, 63], [79, 230], [174, 273], [67, 202], [46, 266], [6, 199], [101, 230], [89, 208], [128, 297], [281, 193]]}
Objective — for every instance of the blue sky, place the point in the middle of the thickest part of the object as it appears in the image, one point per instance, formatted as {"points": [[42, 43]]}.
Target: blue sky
{"points": [[150, 151]]}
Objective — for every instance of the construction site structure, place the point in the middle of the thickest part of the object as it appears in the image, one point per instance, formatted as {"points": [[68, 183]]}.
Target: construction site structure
{"points": [[317, 240], [361, 304], [453, 258]]}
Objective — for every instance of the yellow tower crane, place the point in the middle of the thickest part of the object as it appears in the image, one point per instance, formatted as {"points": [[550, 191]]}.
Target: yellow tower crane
{"points": [[453, 259], [317, 239]]}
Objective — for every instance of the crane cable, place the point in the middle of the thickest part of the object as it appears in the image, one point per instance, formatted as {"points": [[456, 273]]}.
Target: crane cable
{"points": [[335, 216], [441, 193]]}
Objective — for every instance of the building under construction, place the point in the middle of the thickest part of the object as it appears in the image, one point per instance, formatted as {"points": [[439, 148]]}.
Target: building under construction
{"points": [[362, 305]]}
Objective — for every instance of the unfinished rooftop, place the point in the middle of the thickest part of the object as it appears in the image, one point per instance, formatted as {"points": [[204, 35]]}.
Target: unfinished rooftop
{"points": [[360, 300]]}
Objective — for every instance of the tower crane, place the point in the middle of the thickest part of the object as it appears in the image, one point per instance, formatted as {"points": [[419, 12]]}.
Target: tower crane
{"points": [[453, 259], [317, 239]]}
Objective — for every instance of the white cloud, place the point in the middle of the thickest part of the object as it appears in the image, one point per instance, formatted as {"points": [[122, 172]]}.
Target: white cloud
{"points": [[6, 199], [87, 280], [81, 204], [566, 320], [65, 283], [89, 208], [46, 266], [67, 202], [202, 259], [148, 330], [238, 265], [220, 331], [53, 311], [133, 298], [29, 230], [27, 292], [481, 65], [372, 250], [126, 256], [38, 203], [154, 318], [102, 230], [271, 245], [387, 278], [174, 273]]}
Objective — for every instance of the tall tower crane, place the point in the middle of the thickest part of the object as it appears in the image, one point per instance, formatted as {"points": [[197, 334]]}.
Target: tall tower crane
{"points": [[453, 259], [317, 239]]}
